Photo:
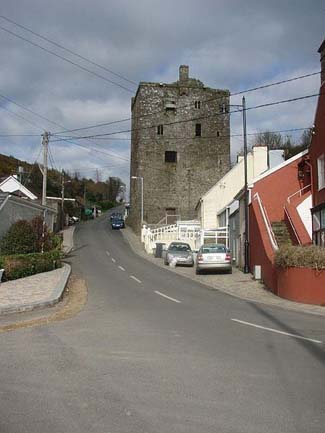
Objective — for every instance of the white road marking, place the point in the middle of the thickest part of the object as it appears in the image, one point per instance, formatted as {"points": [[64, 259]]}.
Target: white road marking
{"points": [[108, 253], [135, 279], [167, 297], [122, 269], [276, 331], [113, 260]]}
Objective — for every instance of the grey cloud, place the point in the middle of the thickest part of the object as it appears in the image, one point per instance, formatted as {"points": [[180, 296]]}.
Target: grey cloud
{"points": [[228, 44]]}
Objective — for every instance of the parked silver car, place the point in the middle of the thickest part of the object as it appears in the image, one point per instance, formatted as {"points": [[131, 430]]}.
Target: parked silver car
{"points": [[179, 253], [213, 257]]}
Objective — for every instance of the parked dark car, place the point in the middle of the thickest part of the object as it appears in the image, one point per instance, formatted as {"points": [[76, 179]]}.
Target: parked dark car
{"points": [[117, 223], [214, 257], [179, 253]]}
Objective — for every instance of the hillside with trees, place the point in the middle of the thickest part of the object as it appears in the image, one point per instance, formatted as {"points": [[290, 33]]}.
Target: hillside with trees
{"points": [[87, 191]]}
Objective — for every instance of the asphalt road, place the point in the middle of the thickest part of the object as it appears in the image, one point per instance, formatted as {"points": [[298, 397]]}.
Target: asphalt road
{"points": [[154, 352]]}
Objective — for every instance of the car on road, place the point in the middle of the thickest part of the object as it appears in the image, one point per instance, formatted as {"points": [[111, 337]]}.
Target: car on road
{"points": [[73, 220], [179, 253], [115, 215], [214, 257], [117, 223]]}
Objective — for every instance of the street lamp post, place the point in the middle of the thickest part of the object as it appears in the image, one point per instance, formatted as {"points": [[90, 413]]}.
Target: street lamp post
{"points": [[141, 180]]}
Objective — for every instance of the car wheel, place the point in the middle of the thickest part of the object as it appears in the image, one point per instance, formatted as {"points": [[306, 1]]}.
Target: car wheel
{"points": [[197, 271]]}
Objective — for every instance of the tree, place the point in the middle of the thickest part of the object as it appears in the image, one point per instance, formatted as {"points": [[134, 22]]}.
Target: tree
{"points": [[271, 139]]}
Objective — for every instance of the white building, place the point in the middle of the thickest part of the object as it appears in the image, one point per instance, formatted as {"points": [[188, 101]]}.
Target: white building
{"points": [[212, 206]]}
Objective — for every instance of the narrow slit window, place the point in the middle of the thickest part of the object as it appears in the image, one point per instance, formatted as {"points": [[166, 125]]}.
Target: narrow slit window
{"points": [[170, 156], [197, 104], [198, 130], [160, 130]]}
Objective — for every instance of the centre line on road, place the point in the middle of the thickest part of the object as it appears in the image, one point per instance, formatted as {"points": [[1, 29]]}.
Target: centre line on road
{"points": [[278, 332], [108, 253], [135, 279], [167, 297], [113, 260], [122, 269]]}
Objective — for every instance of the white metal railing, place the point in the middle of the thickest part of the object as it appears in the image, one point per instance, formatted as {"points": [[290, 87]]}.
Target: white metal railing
{"points": [[182, 231], [188, 231], [307, 187], [266, 222]]}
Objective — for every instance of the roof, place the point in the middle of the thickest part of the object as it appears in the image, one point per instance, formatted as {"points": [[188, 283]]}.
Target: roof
{"points": [[322, 47], [4, 197], [278, 167], [11, 184]]}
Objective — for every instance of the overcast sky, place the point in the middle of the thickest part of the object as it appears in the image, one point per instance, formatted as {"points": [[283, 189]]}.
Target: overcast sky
{"points": [[228, 44]]}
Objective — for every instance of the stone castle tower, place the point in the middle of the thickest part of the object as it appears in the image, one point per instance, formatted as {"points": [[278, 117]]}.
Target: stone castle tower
{"points": [[180, 147]]}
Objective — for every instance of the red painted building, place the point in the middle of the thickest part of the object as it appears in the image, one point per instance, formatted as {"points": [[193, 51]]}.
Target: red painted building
{"points": [[279, 206], [317, 160]]}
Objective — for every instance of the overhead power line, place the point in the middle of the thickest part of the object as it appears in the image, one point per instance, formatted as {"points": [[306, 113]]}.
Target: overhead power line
{"points": [[42, 117], [252, 89], [21, 117], [203, 117], [68, 50], [66, 60], [193, 138], [19, 135], [209, 137], [23, 107], [95, 150]]}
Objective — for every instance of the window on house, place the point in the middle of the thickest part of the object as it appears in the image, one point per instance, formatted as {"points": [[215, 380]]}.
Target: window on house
{"points": [[170, 156], [198, 129], [321, 172], [319, 226], [197, 104], [160, 130]]}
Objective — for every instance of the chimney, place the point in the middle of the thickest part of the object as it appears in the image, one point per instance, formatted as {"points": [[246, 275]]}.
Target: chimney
{"points": [[183, 73], [322, 62]]}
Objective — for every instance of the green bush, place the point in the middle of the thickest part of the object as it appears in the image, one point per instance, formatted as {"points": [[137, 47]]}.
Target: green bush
{"points": [[20, 238], [106, 204], [26, 237], [300, 257], [24, 265]]}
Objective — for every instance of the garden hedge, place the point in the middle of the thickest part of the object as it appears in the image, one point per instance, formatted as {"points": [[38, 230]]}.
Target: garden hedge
{"points": [[300, 257], [24, 265]]}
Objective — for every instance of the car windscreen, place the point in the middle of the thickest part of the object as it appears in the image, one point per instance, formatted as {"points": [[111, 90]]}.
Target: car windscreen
{"points": [[215, 249], [179, 247]]}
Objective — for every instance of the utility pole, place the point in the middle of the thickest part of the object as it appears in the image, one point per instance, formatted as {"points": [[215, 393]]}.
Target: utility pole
{"points": [[246, 241], [62, 199], [45, 143]]}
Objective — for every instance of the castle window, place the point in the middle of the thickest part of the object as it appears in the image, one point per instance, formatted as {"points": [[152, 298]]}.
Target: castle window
{"points": [[160, 130], [218, 134], [197, 104], [223, 108], [170, 106], [170, 156], [198, 130]]}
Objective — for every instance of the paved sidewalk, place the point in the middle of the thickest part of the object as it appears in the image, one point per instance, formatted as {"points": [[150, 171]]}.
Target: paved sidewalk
{"points": [[68, 239], [36, 291], [237, 284], [40, 290]]}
